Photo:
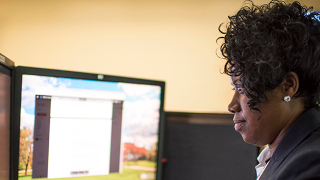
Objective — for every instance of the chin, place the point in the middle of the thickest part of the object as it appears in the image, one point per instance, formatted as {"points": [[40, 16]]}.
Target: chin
{"points": [[255, 143], [248, 140]]}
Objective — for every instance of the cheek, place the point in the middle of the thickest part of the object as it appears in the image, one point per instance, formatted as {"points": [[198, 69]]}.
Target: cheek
{"points": [[255, 132], [244, 99], [249, 114], [255, 123]]}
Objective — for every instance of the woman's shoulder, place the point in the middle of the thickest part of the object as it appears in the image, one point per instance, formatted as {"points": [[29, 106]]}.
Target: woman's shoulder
{"points": [[303, 162]]}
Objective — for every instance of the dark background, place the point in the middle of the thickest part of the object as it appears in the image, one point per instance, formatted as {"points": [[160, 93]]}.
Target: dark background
{"points": [[206, 146]]}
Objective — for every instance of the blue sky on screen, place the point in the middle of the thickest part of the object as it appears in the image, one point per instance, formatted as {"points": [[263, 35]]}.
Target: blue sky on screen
{"points": [[70, 83], [87, 84], [142, 104], [94, 85]]}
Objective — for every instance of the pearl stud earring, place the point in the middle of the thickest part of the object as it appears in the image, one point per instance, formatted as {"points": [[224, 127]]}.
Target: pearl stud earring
{"points": [[287, 98]]}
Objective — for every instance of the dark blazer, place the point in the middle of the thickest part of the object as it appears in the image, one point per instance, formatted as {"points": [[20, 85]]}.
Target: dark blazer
{"points": [[298, 154]]}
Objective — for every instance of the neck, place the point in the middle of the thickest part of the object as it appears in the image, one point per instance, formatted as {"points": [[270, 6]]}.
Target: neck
{"points": [[297, 113], [273, 146]]}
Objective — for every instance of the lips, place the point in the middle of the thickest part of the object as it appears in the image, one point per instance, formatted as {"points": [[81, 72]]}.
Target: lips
{"points": [[238, 124]]}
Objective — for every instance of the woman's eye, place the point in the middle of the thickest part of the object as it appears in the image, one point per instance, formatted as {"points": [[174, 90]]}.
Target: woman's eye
{"points": [[239, 89]]}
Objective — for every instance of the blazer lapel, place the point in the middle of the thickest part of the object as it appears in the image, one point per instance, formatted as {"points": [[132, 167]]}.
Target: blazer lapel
{"points": [[307, 123]]}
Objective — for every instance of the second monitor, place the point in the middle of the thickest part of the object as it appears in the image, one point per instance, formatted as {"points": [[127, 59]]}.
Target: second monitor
{"points": [[76, 124]]}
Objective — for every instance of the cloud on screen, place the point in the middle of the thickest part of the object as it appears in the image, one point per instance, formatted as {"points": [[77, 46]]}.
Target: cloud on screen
{"points": [[29, 85], [27, 120], [141, 114], [140, 91]]}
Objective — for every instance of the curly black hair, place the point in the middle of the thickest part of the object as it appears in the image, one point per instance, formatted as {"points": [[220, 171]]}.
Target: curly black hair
{"points": [[262, 44]]}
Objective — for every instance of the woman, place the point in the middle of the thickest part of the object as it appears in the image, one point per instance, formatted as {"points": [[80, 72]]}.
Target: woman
{"points": [[273, 60]]}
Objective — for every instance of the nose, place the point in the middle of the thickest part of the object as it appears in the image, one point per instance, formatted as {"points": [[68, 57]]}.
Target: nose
{"points": [[234, 105]]}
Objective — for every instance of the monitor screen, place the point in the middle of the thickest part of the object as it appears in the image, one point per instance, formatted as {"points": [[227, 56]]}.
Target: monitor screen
{"points": [[74, 124], [6, 70]]}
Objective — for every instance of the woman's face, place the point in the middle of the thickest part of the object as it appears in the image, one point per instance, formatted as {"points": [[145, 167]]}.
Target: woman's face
{"points": [[254, 129]]}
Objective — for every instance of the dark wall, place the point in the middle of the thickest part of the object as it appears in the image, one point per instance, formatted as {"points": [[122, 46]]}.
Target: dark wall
{"points": [[206, 146]]}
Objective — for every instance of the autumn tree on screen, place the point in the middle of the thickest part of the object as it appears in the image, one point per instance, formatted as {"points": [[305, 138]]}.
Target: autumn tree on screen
{"points": [[25, 151]]}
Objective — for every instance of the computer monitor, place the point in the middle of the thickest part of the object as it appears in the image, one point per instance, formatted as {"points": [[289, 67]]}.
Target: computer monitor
{"points": [[74, 124], [6, 90]]}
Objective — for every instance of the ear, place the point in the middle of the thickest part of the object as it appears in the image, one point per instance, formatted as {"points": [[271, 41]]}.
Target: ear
{"points": [[291, 84]]}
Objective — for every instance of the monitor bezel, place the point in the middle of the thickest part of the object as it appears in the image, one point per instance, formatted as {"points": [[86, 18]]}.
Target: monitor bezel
{"points": [[21, 70], [9, 64]]}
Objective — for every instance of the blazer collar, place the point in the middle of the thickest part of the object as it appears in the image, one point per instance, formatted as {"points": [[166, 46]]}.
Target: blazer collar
{"points": [[304, 125]]}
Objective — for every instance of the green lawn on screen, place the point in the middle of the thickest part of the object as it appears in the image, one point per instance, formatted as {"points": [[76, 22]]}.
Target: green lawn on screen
{"points": [[143, 163], [127, 174]]}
